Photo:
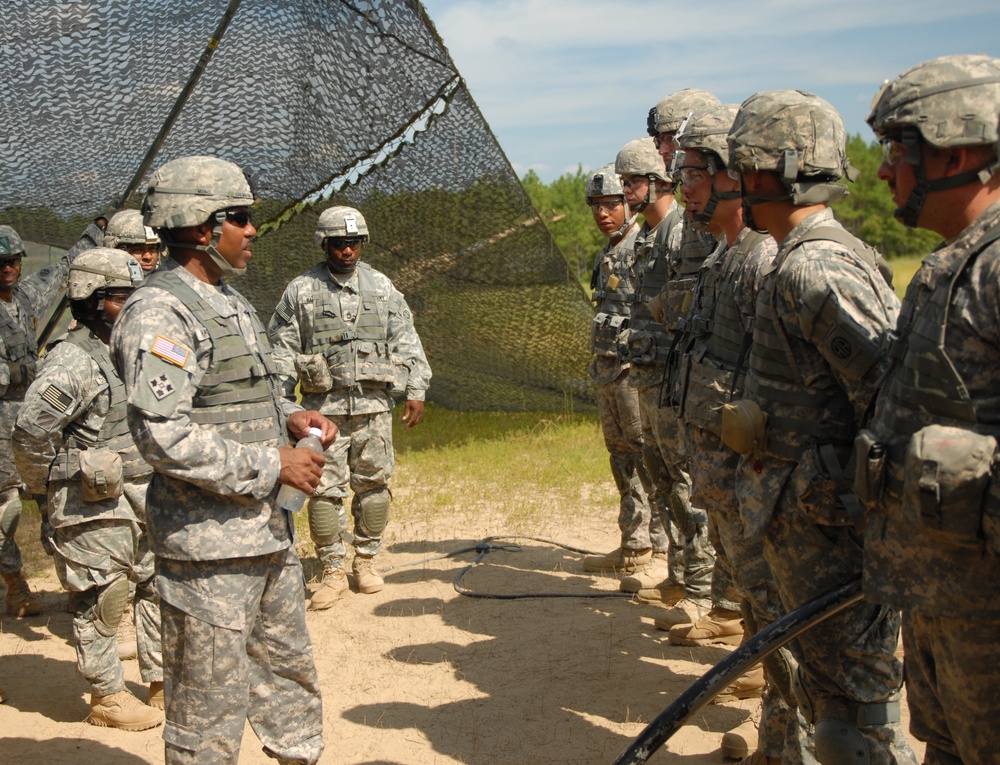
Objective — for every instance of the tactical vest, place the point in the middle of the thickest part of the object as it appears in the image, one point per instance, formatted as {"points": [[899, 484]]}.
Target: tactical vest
{"points": [[652, 266], [799, 414], [356, 351], [685, 266], [236, 396], [21, 346], [613, 306], [113, 434], [924, 387], [713, 341]]}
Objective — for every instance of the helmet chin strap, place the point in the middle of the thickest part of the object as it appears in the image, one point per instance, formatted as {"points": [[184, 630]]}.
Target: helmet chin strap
{"points": [[340, 269], [211, 249], [629, 221], [700, 220]]}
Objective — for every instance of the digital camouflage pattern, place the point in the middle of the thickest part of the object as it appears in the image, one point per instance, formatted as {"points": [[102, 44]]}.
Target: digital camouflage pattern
{"points": [[127, 227], [187, 190], [33, 299], [669, 113], [951, 101], [821, 292], [796, 134], [362, 457], [227, 575], [96, 543], [947, 587], [639, 157]]}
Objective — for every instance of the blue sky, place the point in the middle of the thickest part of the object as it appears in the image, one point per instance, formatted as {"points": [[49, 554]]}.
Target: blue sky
{"points": [[568, 82]]}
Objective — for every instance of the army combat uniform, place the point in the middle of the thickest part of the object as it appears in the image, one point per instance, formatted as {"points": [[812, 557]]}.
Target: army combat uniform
{"points": [[34, 296], [617, 400], [925, 461], [813, 366], [666, 261], [73, 414], [350, 339], [206, 413]]}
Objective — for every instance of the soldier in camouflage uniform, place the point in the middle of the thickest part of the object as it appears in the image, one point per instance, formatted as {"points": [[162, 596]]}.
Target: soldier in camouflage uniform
{"points": [[71, 441], [617, 401], [206, 411], [22, 303], [927, 460], [345, 333], [126, 231], [814, 361], [705, 374]]}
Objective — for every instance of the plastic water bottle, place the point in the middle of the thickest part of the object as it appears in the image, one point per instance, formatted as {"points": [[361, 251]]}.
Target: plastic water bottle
{"points": [[290, 498]]}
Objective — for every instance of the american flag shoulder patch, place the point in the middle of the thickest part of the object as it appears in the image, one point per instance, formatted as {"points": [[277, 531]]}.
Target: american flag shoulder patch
{"points": [[56, 398], [170, 351]]}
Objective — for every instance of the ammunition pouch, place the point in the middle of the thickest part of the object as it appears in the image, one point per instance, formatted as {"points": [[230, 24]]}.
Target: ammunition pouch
{"points": [[101, 475], [823, 488], [604, 330], [314, 373], [947, 475], [744, 426], [869, 477], [636, 346]]}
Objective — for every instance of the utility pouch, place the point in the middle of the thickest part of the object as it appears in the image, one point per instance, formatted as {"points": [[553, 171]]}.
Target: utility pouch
{"points": [[947, 473], [869, 478], [744, 426], [100, 475], [314, 373]]}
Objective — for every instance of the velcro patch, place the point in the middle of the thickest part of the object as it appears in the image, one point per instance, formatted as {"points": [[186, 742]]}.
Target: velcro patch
{"points": [[161, 387], [170, 351], [45, 420], [56, 398], [284, 311]]}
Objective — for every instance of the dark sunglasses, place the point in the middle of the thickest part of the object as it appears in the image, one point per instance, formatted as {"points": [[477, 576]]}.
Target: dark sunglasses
{"points": [[345, 242], [12, 262], [239, 218]]}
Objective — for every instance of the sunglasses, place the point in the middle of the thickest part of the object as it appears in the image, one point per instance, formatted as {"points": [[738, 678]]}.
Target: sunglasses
{"points": [[13, 262], [345, 242], [241, 218], [893, 150], [662, 138], [608, 205]]}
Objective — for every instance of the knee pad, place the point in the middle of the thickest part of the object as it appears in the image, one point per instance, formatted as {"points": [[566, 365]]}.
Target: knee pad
{"points": [[10, 514], [374, 512], [324, 520], [782, 671], [840, 743], [110, 608]]}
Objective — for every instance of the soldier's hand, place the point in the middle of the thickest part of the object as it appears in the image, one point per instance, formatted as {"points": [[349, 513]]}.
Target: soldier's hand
{"points": [[301, 468], [300, 422], [413, 413]]}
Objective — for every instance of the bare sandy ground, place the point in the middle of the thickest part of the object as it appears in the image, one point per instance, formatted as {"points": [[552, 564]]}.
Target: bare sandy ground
{"points": [[419, 674]]}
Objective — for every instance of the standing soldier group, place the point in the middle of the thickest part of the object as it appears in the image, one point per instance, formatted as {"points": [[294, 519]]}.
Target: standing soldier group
{"points": [[830, 433], [160, 426]]}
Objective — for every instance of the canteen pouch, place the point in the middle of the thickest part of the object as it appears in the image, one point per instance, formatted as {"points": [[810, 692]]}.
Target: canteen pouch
{"points": [[869, 477], [744, 426], [947, 476], [314, 373], [100, 475]]}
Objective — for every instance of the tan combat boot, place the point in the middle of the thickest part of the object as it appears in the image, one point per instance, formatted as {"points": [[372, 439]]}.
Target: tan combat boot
{"points": [[749, 685], [20, 601], [685, 611], [665, 594], [128, 647], [653, 574], [156, 700], [720, 625], [366, 576], [124, 711], [618, 561], [740, 742], [333, 585]]}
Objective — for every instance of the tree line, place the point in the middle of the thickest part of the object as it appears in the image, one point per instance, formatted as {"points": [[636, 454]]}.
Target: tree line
{"points": [[866, 212]]}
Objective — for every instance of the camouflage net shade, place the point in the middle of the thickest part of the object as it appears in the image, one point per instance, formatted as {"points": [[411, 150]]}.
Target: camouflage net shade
{"points": [[322, 103]]}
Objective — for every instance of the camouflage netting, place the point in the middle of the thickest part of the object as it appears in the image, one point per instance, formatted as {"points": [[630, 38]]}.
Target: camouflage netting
{"points": [[323, 103]]}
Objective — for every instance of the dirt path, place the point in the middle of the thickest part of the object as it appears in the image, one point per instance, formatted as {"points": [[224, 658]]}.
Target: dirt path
{"points": [[418, 674]]}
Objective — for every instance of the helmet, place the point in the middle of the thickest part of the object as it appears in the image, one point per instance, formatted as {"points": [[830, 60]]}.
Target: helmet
{"points": [[639, 157], [797, 135], [187, 190], [10, 242], [946, 102], [668, 114], [604, 182], [102, 267], [126, 227], [705, 130], [340, 221]]}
